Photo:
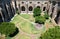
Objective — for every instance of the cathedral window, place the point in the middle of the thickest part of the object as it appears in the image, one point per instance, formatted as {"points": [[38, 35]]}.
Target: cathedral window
{"points": [[30, 8], [38, 6], [22, 2], [30, 2], [23, 8], [44, 8], [38, 2]]}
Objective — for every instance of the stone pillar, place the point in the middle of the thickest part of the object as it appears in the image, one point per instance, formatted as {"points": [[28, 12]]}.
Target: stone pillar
{"points": [[59, 20], [27, 7], [8, 10], [13, 5], [42, 7], [55, 11], [48, 4], [19, 8], [17, 2], [1, 14], [12, 9], [50, 9]]}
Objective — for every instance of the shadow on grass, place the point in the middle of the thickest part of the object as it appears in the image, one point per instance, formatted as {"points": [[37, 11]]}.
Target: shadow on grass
{"points": [[15, 33]]}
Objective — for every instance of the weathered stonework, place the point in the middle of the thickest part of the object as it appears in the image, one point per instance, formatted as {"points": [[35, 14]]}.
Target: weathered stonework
{"points": [[30, 5], [9, 8]]}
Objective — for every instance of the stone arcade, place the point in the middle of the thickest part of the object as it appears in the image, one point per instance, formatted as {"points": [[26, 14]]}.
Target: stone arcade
{"points": [[9, 7]]}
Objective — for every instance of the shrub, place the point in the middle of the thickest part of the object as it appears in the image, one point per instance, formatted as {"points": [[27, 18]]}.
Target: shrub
{"points": [[36, 12], [52, 33], [40, 19], [17, 12], [46, 16], [7, 28]]}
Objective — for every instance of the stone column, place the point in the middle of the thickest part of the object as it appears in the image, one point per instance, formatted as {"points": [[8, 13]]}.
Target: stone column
{"points": [[27, 7], [55, 11], [58, 21], [19, 8], [14, 7], [11, 6], [1, 14], [8, 10], [17, 2], [50, 9], [42, 7], [48, 4]]}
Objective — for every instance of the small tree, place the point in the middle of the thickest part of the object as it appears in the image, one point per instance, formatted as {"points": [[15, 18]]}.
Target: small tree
{"points": [[40, 19], [46, 15], [7, 28], [36, 12], [52, 33]]}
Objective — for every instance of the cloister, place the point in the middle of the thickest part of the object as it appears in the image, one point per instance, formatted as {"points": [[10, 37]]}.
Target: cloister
{"points": [[8, 8]]}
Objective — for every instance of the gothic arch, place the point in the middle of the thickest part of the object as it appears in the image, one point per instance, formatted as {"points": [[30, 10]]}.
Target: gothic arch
{"points": [[30, 8], [23, 8], [38, 6], [44, 8]]}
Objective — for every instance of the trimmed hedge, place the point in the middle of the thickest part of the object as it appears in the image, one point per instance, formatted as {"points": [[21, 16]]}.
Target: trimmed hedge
{"points": [[40, 19], [36, 12], [7, 28], [46, 15], [52, 33]]}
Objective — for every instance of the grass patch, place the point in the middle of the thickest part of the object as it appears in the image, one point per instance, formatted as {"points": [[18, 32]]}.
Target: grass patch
{"points": [[28, 28], [25, 25], [24, 37], [21, 36], [28, 16]]}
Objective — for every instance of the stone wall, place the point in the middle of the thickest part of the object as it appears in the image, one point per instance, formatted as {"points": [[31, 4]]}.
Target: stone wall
{"points": [[9, 7], [7, 10], [30, 5]]}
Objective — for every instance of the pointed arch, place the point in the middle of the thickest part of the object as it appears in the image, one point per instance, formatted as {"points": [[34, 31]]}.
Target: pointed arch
{"points": [[44, 8], [30, 8], [22, 8], [38, 6]]}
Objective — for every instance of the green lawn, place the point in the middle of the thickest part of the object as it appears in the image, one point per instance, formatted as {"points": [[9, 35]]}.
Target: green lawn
{"points": [[21, 36], [24, 37], [28, 16], [25, 25]]}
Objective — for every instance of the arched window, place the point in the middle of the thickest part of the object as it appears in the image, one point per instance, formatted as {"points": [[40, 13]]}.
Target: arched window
{"points": [[45, 2], [22, 2], [38, 6], [44, 8], [30, 2], [23, 8], [30, 8]]}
